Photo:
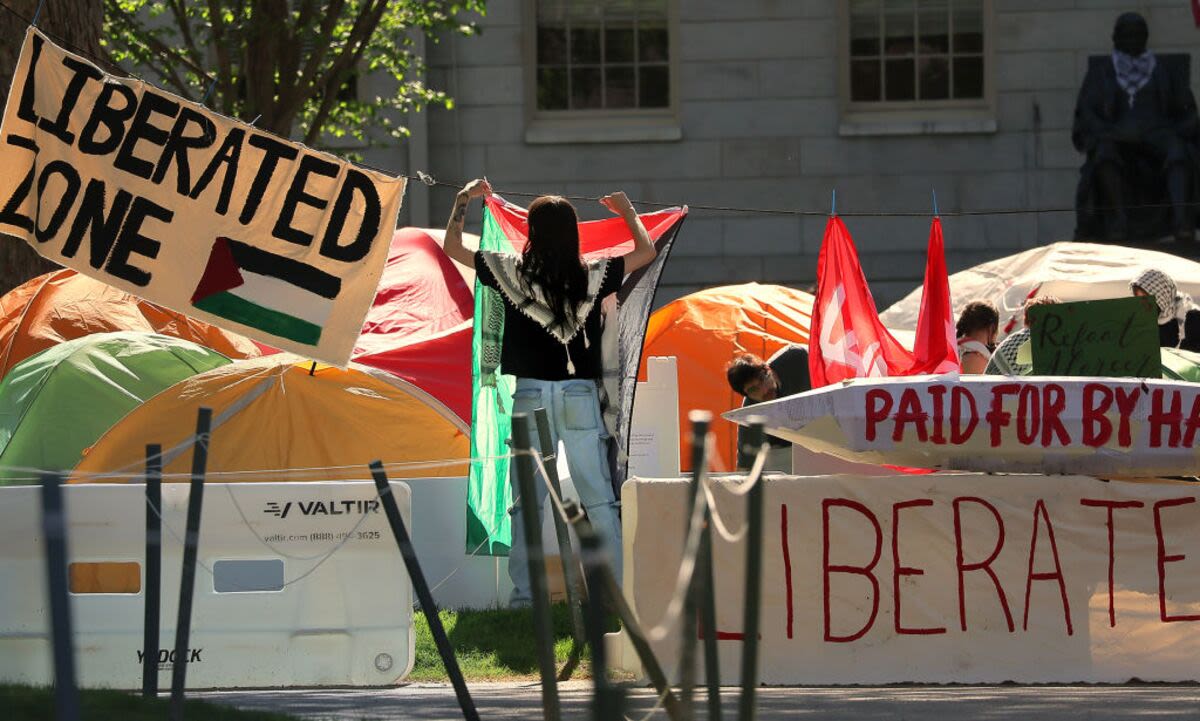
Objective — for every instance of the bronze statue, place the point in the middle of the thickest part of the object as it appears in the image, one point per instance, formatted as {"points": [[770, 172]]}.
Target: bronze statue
{"points": [[1135, 118]]}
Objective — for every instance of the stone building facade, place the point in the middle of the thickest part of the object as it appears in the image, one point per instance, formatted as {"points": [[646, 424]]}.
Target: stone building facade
{"points": [[772, 104]]}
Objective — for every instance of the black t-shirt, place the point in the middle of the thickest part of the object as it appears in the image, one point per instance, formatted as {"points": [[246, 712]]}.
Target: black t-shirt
{"points": [[529, 351]]}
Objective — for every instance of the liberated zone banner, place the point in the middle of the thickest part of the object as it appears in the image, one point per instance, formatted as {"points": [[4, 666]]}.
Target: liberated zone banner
{"points": [[961, 577], [163, 198]]}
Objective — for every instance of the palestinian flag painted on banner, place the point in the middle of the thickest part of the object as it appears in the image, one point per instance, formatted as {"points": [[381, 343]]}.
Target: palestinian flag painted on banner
{"points": [[505, 228], [272, 293]]}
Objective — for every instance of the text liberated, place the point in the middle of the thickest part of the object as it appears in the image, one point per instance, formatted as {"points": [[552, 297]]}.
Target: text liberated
{"points": [[201, 213], [949, 578]]}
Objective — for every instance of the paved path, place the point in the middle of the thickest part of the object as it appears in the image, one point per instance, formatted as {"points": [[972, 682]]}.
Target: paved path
{"points": [[426, 702]]}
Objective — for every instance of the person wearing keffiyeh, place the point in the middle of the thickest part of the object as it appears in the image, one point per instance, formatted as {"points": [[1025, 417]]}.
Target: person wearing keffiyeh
{"points": [[1178, 315], [1137, 122], [552, 343]]}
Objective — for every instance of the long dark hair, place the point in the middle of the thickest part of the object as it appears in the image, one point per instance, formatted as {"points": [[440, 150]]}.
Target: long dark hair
{"points": [[978, 314], [552, 256]]}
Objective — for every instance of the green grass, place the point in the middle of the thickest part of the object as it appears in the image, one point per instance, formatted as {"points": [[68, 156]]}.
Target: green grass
{"points": [[498, 644], [25, 703]]}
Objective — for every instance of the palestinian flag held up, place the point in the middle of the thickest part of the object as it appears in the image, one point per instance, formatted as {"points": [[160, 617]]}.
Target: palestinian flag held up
{"points": [[273, 293], [506, 228]]}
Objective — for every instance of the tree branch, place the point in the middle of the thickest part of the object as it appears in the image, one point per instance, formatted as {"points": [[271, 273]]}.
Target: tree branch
{"points": [[364, 26], [179, 10], [216, 19]]}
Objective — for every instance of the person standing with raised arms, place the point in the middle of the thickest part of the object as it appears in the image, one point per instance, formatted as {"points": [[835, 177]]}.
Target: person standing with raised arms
{"points": [[552, 331]]}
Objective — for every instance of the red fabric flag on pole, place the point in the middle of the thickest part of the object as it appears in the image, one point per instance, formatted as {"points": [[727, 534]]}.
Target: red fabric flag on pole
{"points": [[847, 339], [1196, 12], [936, 346]]}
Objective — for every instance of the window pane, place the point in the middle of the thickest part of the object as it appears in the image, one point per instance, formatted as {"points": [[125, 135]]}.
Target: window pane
{"points": [[865, 83], [585, 44], [583, 12], [552, 88], [244, 576], [968, 77], [933, 26], [899, 80], [898, 31], [864, 28], [618, 44], [551, 45], [105, 577], [618, 87], [585, 89], [935, 78], [655, 90], [968, 26], [652, 43], [652, 9], [551, 11]]}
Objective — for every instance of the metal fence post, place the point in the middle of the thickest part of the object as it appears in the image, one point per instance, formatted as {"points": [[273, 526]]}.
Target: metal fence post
{"points": [[606, 697], [543, 626], [549, 453], [753, 593], [54, 531], [705, 586], [421, 587], [629, 622], [700, 421], [187, 583], [153, 592]]}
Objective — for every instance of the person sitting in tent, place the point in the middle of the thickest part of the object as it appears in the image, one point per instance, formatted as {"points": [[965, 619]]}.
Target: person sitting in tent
{"points": [[1013, 357], [783, 374], [552, 334], [976, 330], [1178, 316]]}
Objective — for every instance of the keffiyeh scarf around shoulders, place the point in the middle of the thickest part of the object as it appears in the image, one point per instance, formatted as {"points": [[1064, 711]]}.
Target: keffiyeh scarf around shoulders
{"points": [[530, 300]]}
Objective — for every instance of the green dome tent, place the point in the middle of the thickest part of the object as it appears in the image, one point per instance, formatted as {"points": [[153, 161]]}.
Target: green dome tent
{"points": [[57, 403]]}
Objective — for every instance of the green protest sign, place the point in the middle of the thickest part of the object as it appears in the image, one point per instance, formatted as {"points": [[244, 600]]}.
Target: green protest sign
{"points": [[1113, 338]]}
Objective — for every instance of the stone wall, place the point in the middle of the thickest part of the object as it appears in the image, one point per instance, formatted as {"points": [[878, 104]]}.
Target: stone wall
{"points": [[759, 116]]}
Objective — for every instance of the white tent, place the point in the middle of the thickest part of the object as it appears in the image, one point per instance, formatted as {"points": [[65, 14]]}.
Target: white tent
{"points": [[1071, 271]]}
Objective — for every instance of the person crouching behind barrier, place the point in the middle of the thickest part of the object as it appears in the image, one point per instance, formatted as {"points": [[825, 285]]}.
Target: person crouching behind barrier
{"points": [[976, 329], [552, 333], [1014, 356], [1178, 316], [783, 374]]}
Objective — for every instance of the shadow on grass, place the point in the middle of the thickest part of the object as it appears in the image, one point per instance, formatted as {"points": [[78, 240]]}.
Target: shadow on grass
{"points": [[499, 644]]}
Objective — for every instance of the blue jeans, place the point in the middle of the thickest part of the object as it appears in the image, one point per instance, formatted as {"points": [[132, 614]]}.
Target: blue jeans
{"points": [[573, 407]]}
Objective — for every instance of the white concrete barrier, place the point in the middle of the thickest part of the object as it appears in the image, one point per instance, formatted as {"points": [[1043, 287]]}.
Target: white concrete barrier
{"points": [[944, 578], [458, 580], [273, 606]]}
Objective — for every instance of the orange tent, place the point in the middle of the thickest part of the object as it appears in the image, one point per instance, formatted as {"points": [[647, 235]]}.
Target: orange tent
{"points": [[705, 330], [280, 419], [64, 305]]}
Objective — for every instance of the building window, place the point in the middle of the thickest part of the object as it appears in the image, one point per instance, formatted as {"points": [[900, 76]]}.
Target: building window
{"points": [[602, 55], [917, 51]]}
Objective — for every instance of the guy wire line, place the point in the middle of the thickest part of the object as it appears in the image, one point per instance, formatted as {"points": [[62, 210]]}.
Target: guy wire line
{"points": [[430, 180]]}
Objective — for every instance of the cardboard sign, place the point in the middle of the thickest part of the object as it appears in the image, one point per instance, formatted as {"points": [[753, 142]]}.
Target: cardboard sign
{"points": [[1104, 426], [1113, 338], [163, 198], [953, 578]]}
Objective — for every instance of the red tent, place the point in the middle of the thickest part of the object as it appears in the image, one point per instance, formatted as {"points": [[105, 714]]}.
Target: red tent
{"points": [[419, 327]]}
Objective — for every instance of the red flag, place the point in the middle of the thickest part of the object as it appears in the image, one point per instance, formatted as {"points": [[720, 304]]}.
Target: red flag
{"points": [[1196, 12], [936, 346], [847, 339]]}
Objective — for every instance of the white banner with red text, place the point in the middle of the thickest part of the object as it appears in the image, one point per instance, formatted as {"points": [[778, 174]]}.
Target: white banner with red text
{"points": [[941, 578]]}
